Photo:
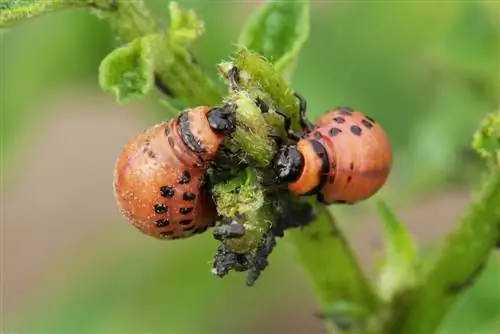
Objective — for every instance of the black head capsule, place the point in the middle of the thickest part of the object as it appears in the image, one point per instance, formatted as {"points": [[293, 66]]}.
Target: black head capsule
{"points": [[221, 119], [288, 164]]}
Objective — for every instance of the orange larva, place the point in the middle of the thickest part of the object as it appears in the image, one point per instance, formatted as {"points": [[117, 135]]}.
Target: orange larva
{"points": [[160, 175]]}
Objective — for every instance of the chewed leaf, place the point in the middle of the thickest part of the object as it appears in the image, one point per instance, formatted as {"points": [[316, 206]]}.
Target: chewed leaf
{"points": [[185, 26], [278, 30], [399, 268], [487, 138], [128, 71]]}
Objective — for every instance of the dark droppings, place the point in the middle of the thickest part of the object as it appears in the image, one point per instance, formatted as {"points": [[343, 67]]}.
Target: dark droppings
{"points": [[229, 230]]}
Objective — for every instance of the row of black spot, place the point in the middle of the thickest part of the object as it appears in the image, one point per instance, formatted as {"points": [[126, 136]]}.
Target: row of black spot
{"points": [[197, 230]]}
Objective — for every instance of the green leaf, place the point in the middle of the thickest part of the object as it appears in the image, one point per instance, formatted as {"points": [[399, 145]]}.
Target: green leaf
{"points": [[398, 271], [278, 30], [185, 26], [487, 139], [128, 71]]}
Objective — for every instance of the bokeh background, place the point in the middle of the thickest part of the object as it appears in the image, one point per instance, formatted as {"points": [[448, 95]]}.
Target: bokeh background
{"points": [[428, 71]]}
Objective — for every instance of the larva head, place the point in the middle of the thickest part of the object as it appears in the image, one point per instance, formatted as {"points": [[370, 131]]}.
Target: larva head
{"points": [[203, 129], [303, 166], [288, 164]]}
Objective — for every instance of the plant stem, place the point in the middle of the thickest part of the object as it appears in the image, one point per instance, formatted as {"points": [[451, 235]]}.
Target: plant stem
{"points": [[320, 245], [458, 264], [332, 266], [17, 12]]}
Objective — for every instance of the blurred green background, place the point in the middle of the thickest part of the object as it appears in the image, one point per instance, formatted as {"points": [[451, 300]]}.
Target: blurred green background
{"points": [[428, 71]]}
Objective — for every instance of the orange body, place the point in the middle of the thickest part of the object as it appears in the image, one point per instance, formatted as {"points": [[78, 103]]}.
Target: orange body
{"points": [[359, 156], [159, 179]]}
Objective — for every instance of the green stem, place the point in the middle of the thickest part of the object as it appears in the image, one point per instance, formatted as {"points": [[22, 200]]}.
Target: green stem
{"points": [[14, 13], [458, 264], [333, 269]]}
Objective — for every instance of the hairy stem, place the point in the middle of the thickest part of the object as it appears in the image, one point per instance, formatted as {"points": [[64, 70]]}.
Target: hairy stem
{"points": [[14, 12], [320, 245]]}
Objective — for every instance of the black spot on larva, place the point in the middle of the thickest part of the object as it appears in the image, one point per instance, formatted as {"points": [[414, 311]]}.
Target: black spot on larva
{"points": [[356, 130], [189, 196], [186, 177], [167, 131], [317, 135], [349, 178], [186, 221], [167, 234], [161, 223], [345, 111], [171, 142], [189, 228], [167, 191], [340, 201], [151, 154], [200, 229], [339, 119], [147, 142], [334, 131], [367, 123], [185, 211], [370, 119], [175, 237], [160, 208], [351, 166]]}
